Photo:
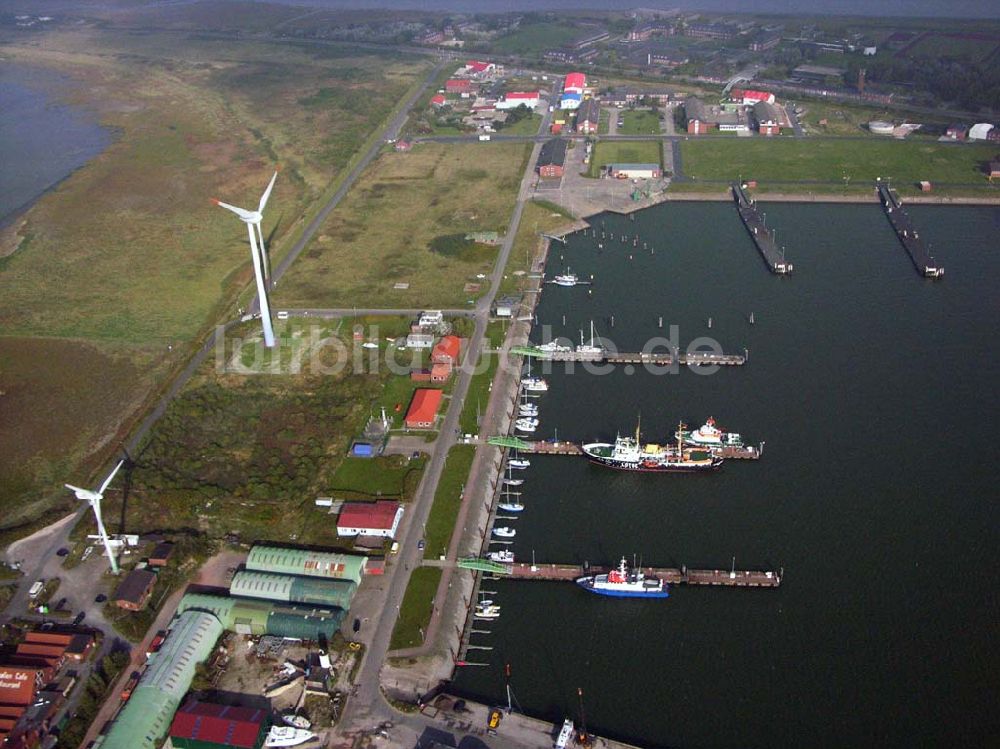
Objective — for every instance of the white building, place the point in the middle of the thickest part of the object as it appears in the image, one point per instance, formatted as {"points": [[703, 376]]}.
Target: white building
{"points": [[430, 318], [980, 131], [419, 340], [369, 519], [515, 99]]}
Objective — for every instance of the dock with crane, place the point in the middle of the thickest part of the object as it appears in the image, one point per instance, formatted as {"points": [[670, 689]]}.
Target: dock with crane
{"points": [[926, 265], [755, 222]]}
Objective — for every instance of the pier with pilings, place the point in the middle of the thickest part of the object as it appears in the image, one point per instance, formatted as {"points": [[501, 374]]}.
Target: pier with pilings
{"points": [[665, 359], [754, 220], [926, 265]]}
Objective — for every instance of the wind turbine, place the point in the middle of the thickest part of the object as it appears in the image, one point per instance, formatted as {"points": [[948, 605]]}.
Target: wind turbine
{"points": [[95, 497], [260, 265]]}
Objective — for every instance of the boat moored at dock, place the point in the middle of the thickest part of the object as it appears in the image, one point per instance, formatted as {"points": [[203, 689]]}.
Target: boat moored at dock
{"points": [[629, 454], [624, 582], [709, 435]]}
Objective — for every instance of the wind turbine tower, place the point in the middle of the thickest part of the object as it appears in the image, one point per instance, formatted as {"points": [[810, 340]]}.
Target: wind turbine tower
{"points": [[261, 266], [95, 497]]}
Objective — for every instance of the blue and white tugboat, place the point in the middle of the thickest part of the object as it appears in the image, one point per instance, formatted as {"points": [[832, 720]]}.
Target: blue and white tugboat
{"points": [[624, 583]]}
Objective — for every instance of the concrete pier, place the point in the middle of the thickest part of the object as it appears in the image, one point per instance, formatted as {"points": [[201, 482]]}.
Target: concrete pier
{"points": [[926, 265], [753, 220]]}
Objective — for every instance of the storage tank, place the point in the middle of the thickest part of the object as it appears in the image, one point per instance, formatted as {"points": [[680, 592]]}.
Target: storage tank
{"points": [[881, 127], [304, 562], [293, 589]]}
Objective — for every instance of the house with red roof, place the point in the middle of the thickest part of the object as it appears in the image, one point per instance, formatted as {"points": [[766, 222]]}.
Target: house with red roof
{"points": [[575, 83], [438, 100], [370, 518], [748, 97], [478, 68], [201, 725], [446, 351], [423, 409], [458, 86]]}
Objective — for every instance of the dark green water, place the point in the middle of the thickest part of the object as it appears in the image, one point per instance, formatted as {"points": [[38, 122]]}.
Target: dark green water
{"points": [[876, 392]]}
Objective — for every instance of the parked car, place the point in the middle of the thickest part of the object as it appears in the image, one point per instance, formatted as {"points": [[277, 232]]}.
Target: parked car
{"points": [[101, 598], [63, 551], [79, 618], [421, 544]]}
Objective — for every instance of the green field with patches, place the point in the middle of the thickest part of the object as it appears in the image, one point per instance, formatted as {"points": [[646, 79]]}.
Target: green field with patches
{"points": [[639, 122], [415, 611], [535, 38], [407, 218], [829, 161], [447, 500]]}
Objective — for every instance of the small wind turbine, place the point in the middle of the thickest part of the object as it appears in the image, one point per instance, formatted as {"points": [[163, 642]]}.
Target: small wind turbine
{"points": [[259, 254], [95, 497]]}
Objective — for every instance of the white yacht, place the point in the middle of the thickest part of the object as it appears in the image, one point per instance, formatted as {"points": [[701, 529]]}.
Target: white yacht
{"points": [[534, 384], [504, 532], [287, 736]]}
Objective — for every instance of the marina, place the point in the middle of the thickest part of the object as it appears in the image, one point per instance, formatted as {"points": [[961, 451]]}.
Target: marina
{"points": [[731, 578], [603, 356], [764, 238], [911, 240]]}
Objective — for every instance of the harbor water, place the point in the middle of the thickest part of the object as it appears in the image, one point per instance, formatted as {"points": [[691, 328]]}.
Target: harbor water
{"points": [[876, 393], [42, 141]]}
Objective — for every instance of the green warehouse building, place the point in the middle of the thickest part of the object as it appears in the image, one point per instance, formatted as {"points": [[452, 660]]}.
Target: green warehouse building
{"points": [[293, 589], [146, 717], [251, 617], [264, 558]]}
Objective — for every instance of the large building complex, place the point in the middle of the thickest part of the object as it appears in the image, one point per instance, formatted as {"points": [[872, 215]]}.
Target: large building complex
{"points": [[266, 558]]}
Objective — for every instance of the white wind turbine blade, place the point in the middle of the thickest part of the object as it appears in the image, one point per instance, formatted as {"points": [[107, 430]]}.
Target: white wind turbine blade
{"points": [[110, 477], [241, 212], [267, 194], [81, 493]]}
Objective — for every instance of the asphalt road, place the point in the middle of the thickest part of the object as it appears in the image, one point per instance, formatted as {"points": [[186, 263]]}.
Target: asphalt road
{"points": [[367, 707]]}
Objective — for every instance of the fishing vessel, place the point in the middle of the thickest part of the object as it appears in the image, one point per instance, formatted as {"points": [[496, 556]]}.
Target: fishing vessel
{"points": [[629, 454], [709, 435], [589, 348], [504, 532], [534, 385], [553, 347], [565, 734], [296, 721], [287, 736], [504, 557], [624, 582]]}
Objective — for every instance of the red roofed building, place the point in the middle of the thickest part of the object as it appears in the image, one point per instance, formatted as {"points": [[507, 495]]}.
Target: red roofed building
{"points": [[19, 685], [423, 409], [438, 100], [479, 68], [748, 96], [446, 350], [440, 372], [204, 724], [575, 82], [458, 86], [369, 518]]}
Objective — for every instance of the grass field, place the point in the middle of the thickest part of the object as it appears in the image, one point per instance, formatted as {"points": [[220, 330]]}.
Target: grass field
{"points": [[955, 46], [625, 152], [527, 126], [447, 500], [827, 161], [391, 477], [535, 38], [415, 611], [145, 262], [407, 217], [639, 122], [538, 218], [478, 396]]}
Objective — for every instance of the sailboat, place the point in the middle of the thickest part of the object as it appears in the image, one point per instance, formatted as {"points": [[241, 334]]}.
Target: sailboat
{"points": [[589, 348], [509, 502]]}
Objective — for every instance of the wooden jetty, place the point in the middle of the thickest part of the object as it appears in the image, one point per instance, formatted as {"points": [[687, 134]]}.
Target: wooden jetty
{"points": [[753, 220], [926, 265], [666, 359], [731, 578]]}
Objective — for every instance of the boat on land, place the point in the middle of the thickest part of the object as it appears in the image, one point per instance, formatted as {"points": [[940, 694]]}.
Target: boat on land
{"points": [[629, 454], [624, 582], [504, 532], [504, 557], [296, 721], [709, 435], [280, 736]]}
